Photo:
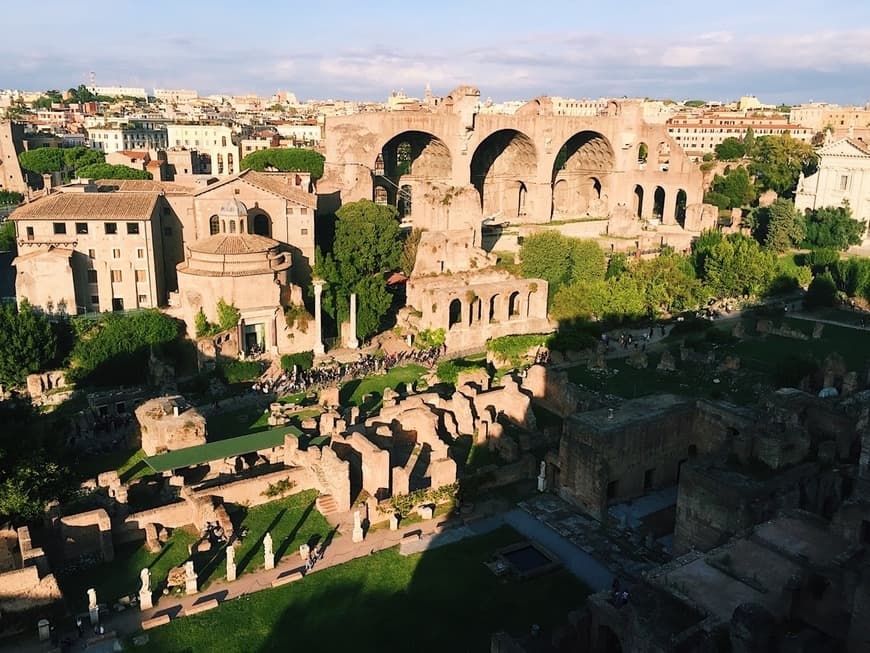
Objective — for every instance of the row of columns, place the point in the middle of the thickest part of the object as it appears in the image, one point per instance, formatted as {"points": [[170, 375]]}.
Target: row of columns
{"points": [[352, 340]]}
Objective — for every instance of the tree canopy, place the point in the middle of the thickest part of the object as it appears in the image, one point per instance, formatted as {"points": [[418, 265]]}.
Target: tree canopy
{"points": [[109, 171], [78, 157], [735, 189], [8, 197], [559, 259], [779, 226], [730, 149], [833, 227], [42, 160], [778, 161], [291, 159], [27, 342], [737, 265], [368, 244]]}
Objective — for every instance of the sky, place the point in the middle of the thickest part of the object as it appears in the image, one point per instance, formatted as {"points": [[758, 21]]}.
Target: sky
{"points": [[787, 52]]}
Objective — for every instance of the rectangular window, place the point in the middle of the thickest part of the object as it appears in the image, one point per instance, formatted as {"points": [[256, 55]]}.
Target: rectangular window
{"points": [[116, 276], [140, 275], [60, 227], [132, 227], [81, 227], [116, 253], [117, 304], [140, 253], [143, 300], [92, 253], [29, 233], [844, 182], [92, 276], [290, 211], [304, 232], [303, 211], [111, 228]]}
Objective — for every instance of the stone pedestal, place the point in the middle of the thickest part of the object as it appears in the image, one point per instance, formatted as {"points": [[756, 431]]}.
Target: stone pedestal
{"points": [[231, 563], [542, 477], [426, 512], [304, 552], [357, 535], [268, 553], [191, 586], [319, 349], [394, 523], [146, 601], [44, 630], [93, 608], [352, 341]]}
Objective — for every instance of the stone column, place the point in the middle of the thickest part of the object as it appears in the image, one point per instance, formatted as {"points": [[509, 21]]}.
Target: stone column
{"points": [[352, 340], [357, 527], [190, 584], [231, 563], [146, 601], [268, 553], [93, 607], [542, 477], [319, 349]]}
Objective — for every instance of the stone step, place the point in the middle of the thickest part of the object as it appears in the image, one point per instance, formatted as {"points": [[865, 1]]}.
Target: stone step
{"points": [[326, 504]]}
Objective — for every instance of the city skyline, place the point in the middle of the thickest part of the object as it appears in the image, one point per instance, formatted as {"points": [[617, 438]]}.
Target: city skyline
{"points": [[791, 53]]}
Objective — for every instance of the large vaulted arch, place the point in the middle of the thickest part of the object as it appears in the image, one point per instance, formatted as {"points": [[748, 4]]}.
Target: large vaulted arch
{"points": [[502, 168], [580, 175]]}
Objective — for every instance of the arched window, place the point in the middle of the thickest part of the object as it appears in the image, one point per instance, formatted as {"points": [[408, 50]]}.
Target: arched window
{"points": [[220, 162], [379, 165], [230, 162], [403, 159], [404, 201], [493, 303], [213, 225], [642, 154], [659, 202], [680, 208], [223, 226], [521, 199], [232, 226], [514, 304], [381, 196], [262, 225], [638, 200], [242, 226], [455, 313]]}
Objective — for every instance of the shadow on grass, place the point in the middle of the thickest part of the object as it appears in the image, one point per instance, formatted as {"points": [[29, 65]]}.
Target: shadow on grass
{"points": [[249, 555], [285, 543]]}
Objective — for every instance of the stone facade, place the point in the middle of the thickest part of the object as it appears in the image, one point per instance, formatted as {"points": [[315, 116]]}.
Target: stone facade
{"points": [[169, 423]]}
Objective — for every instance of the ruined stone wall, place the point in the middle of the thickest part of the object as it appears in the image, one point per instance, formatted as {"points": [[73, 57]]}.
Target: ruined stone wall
{"points": [[250, 491], [88, 532]]}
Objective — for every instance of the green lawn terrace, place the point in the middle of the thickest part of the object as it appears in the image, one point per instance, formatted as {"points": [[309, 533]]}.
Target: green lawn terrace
{"points": [[292, 521], [744, 366], [445, 599]]}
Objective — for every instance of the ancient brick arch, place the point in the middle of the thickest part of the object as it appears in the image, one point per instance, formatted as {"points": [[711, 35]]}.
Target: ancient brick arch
{"points": [[406, 161], [502, 166], [580, 175]]}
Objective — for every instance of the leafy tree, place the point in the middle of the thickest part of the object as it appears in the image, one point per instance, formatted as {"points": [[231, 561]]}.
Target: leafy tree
{"points": [[8, 197], [108, 171], [201, 324], [367, 245], [228, 315], [853, 276], [790, 275], [7, 237], [717, 199], [293, 159], [779, 226], [701, 248], [736, 186], [695, 103], [833, 227], [738, 266], [81, 94], [304, 360], [822, 259], [27, 342], [409, 251], [778, 161], [708, 157], [42, 160], [730, 149], [749, 141], [616, 266], [78, 157], [558, 259], [822, 291]]}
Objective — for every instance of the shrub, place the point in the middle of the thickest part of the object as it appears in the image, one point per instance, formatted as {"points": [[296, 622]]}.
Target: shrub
{"points": [[228, 315], [239, 371], [513, 348], [430, 338], [297, 316], [303, 359], [822, 291]]}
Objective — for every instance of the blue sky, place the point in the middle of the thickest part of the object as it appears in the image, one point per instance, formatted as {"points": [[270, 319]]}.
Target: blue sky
{"points": [[781, 51]]}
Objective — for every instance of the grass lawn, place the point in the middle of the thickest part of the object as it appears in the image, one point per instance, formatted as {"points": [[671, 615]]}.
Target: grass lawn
{"points": [[120, 577], [292, 521], [353, 392], [128, 463], [441, 600]]}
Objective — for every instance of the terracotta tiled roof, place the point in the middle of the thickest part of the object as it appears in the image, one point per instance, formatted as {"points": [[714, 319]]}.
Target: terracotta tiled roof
{"points": [[233, 244], [134, 154], [273, 183], [144, 185], [860, 145], [89, 206]]}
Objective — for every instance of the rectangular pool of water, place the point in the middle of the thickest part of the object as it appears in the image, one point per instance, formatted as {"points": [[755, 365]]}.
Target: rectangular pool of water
{"points": [[527, 559]]}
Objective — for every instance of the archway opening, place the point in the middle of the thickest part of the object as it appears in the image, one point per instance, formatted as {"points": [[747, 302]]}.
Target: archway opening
{"points": [[500, 166], [642, 155], [514, 304], [214, 226], [410, 156], [582, 162], [659, 203], [680, 208], [493, 307], [262, 225], [638, 200], [455, 316], [405, 201]]}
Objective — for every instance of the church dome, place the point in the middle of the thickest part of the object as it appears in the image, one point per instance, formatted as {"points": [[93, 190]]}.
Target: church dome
{"points": [[232, 209]]}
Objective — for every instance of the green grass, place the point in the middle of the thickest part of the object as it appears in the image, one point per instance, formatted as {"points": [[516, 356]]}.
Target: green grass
{"points": [[118, 578], [128, 463], [441, 600], [292, 521], [353, 392]]}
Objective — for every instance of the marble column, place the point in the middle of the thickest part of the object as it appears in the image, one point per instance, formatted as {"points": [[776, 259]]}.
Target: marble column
{"points": [[352, 340], [319, 349]]}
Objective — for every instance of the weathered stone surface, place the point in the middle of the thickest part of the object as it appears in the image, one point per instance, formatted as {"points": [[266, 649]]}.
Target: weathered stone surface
{"points": [[163, 430]]}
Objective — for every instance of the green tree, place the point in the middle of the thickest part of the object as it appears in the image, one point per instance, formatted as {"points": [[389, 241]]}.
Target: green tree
{"points": [[367, 245], [778, 161], [8, 197], [737, 266], [822, 291], [852, 276], [822, 259], [78, 157], [779, 226], [749, 141], [27, 342], [292, 159], [228, 315], [42, 160], [558, 259], [695, 103], [730, 149], [7, 237], [409, 251], [736, 186], [108, 171], [201, 324], [81, 94], [833, 227]]}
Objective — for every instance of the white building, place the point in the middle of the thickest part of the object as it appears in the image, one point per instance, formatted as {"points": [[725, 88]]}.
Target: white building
{"points": [[175, 94], [132, 136], [117, 91], [843, 177], [214, 141]]}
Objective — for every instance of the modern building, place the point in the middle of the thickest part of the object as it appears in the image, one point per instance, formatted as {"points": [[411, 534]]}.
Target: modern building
{"points": [[700, 133], [820, 116], [843, 177], [119, 91], [217, 142], [175, 94], [132, 136]]}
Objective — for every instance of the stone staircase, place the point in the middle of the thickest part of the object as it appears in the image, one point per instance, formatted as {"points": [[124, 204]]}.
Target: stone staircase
{"points": [[326, 504]]}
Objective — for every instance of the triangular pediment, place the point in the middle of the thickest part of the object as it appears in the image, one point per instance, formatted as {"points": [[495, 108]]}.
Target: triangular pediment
{"points": [[846, 147]]}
